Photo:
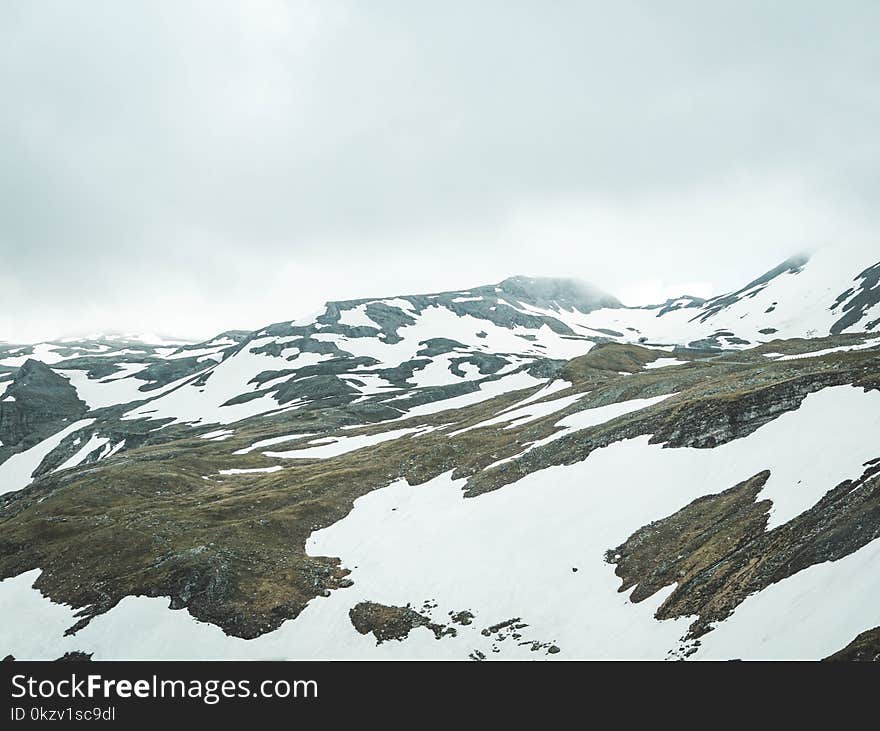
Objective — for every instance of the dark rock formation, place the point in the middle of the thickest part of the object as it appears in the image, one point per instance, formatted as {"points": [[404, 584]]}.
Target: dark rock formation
{"points": [[390, 623], [75, 656], [37, 403], [718, 553], [857, 303]]}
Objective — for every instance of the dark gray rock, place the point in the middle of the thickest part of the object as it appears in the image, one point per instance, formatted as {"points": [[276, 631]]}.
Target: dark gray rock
{"points": [[38, 402]]}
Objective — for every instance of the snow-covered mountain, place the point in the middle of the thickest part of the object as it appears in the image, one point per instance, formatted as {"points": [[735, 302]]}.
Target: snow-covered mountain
{"points": [[407, 345], [826, 294], [474, 473]]}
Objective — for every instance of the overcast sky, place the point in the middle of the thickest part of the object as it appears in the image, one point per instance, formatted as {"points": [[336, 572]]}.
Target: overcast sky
{"points": [[190, 167]]}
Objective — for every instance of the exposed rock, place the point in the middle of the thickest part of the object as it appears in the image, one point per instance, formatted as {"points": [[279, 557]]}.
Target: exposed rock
{"points": [[37, 403], [864, 648], [717, 552], [75, 656], [463, 617], [856, 304], [389, 623]]}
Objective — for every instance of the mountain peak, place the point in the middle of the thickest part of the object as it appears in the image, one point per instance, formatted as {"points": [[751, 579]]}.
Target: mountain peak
{"points": [[553, 292]]}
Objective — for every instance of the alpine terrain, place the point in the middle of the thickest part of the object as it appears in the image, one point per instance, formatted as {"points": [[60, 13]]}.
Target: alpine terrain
{"points": [[527, 469]]}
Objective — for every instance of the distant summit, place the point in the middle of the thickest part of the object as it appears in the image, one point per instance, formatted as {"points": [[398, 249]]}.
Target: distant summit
{"points": [[555, 293]]}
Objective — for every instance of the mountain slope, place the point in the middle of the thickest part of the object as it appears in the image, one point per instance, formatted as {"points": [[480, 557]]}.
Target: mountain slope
{"points": [[517, 470], [830, 293]]}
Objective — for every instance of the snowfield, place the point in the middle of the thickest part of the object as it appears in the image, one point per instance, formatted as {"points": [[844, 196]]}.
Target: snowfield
{"points": [[549, 533], [325, 448], [17, 471]]}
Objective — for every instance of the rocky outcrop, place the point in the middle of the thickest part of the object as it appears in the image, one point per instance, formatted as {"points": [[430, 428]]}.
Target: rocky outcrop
{"points": [[36, 404], [75, 656], [864, 648], [737, 412], [857, 301], [717, 551], [677, 548], [391, 623]]}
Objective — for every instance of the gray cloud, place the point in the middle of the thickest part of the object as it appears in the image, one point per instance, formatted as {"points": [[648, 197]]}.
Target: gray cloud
{"points": [[195, 166]]}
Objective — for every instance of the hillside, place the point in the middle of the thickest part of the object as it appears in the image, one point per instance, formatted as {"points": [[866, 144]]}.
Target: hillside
{"points": [[516, 470]]}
